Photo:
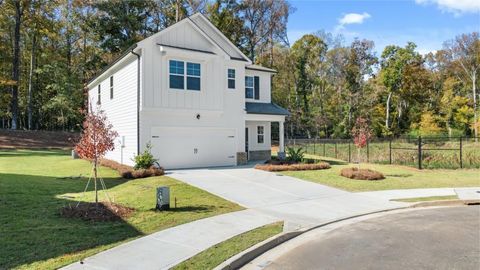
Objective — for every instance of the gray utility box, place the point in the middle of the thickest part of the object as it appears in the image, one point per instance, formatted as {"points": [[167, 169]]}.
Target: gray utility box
{"points": [[163, 198]]}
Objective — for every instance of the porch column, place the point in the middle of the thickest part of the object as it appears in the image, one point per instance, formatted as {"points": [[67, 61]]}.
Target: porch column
{"points": [[281, 147]]}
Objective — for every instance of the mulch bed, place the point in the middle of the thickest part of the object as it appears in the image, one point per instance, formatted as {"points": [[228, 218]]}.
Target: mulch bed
{"points": [[286, 166], [129, 172], [103, 211], [361, 174]]}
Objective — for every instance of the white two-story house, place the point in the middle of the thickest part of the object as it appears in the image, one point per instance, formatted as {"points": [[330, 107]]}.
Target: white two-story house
{"points": [[193, 95]]}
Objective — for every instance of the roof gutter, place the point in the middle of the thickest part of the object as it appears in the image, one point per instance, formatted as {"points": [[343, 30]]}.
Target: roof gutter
{"points": [[138, 99]]}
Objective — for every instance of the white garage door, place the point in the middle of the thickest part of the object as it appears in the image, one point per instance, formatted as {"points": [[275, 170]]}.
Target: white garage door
{"points": [[193, 147]]}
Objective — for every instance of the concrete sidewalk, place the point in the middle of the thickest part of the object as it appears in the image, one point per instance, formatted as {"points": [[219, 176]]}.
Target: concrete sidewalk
{"points": [[471, 193], [164, 249]]}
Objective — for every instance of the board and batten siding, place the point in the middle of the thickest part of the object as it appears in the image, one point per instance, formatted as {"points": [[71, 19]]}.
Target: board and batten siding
{"points": [[253, 144], [265, 84], [121, 111]]}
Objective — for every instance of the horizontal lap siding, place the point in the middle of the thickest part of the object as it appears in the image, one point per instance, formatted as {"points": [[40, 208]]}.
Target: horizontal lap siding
{"points": [[121, 111]]}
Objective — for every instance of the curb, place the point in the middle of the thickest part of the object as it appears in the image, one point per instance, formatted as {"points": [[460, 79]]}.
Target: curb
{"points": [[446, 203], [253, 252], [246, 256]]}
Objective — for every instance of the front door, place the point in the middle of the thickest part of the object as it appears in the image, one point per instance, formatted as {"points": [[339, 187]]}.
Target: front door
{"points": [[246, 141]]}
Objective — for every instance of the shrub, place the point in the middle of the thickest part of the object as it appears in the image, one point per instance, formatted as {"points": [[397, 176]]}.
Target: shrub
{"points": [[128, 172], [292, 167], [361, 174], [145, 160], [295, 155]]}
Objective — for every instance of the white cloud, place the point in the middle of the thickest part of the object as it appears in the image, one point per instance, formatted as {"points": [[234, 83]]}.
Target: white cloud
{"points": [[353, 18], [455, 6]]}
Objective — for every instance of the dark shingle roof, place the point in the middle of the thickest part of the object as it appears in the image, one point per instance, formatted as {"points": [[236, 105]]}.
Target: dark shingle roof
{"points": [[265, 108]]}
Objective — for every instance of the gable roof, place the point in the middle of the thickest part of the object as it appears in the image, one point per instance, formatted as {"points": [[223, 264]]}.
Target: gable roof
{"points": [[218, 37], [206, 29]]}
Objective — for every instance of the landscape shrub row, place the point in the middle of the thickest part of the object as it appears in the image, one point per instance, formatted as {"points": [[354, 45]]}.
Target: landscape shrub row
{"points": [[129, 172], [292, 167]]}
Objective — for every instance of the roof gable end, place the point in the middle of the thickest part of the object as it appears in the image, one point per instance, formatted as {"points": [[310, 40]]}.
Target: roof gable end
{"points": [[218, 37]]}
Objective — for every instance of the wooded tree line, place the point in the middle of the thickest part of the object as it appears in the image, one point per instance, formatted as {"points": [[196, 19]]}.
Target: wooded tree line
{"points": [[400, 91], [50, 48]]}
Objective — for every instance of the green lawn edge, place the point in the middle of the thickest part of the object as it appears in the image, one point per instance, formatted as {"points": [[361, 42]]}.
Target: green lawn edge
{"points": [[427, 199], [215, 255], [396, 177]]}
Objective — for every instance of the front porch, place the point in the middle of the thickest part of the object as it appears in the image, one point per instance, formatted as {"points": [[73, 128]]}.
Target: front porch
{"points": [[258, 136]]}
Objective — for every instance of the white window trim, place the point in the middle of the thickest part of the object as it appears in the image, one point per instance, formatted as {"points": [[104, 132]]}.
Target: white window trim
{"points": [[111, 81], [253, 87], [234, 78], [185, 61], [99, 94], [263, 134]]}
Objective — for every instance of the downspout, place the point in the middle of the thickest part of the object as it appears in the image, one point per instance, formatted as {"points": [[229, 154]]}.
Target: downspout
{"points": [[138, 100]]}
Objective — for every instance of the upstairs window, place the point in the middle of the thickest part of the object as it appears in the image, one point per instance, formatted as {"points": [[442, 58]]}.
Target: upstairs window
{"points": [[179, 79], [111, 87], [248, 87], [231, 78], [177, 74], [99, 96], [193, 76], [260, 134]]}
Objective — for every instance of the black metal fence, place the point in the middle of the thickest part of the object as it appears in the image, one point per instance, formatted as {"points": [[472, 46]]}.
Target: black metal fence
{"points": [[420, 152]]}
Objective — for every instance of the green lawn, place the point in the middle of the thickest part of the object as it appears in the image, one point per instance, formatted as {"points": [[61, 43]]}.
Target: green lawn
{"points": [[212, 257], [428, 199], [397, 177], [34, 185]]}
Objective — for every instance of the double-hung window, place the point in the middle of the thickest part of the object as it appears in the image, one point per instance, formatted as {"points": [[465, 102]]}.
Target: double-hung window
{"points": [[231, 78], [179, 79], [260, 134], [99, 95], [111, 87], [193, 76], [249, 87], [177, 74]]}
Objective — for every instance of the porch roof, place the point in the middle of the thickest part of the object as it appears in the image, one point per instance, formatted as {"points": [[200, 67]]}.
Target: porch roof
{"points": [[265, 108]]}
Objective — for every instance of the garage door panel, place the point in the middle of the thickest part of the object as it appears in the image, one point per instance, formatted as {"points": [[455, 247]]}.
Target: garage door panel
{"points": [[193, 147]]}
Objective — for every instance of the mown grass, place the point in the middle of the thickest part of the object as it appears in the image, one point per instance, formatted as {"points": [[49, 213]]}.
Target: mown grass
{"points": [[212, 257], [428, 199], [34, 185], [396, 177]]}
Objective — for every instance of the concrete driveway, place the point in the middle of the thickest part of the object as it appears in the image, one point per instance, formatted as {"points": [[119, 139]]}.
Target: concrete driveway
{"points": [[301, 204], [269, 198], [433, 238]]}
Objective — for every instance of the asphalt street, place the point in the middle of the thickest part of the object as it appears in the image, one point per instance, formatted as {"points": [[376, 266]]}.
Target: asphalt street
{"points": [[435, 238]]}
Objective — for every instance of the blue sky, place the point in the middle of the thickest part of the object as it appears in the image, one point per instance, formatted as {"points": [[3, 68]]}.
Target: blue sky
{"points": [[428, 23]]}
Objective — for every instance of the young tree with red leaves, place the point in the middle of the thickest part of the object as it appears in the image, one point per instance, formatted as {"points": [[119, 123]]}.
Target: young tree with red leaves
{"points": [[96, 140], [361, 134]]}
